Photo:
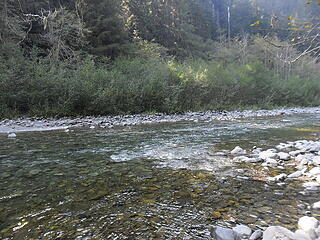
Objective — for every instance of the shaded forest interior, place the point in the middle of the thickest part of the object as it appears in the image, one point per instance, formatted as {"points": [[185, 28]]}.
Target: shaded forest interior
{"points": [[98, 57]]}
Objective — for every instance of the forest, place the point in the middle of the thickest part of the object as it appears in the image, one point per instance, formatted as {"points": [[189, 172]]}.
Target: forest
{"points": [[102, 57]]}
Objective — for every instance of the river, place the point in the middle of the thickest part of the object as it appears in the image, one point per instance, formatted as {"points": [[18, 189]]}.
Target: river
{"points": [[150, 181]]}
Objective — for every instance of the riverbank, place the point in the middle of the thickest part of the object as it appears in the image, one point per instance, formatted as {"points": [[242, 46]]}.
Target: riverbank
{"points": [[297, 161], [47, 124]]}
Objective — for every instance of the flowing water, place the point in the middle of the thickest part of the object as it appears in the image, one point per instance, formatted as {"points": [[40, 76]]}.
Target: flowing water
{"points": [[157, 181]]}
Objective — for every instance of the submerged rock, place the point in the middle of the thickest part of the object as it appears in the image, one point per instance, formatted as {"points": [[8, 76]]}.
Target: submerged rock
{"points": [[12, 135]]}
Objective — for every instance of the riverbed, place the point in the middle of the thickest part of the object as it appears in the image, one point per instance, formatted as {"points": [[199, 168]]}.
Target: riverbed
{"points": [[146, 177]]}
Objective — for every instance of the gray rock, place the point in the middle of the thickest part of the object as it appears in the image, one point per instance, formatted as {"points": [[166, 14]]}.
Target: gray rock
{"points": [[306, 223], [277, 233], [256, 235], [242, 231], [284, 156], [221, 233], [34, 172], [295, 174], [238, 151]]}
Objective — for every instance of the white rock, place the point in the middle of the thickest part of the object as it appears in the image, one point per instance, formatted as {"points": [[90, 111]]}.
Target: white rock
{"points": [[278, 178], [256, 235], [277, 233], [318, 179], [283, 156], [295, 153], [302, 157], [242, 231], [307, 223], [315, 171], [316, 160], [295, 174], [256, 150], [316, 205], [271, 161], [311, 185], [317, 231], [305, 235], [221, 233], [238, 151], [12, 135], [267, 154]]}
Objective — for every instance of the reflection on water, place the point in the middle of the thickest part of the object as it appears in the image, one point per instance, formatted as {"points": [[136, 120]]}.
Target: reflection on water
{"points": [[144, 182]]}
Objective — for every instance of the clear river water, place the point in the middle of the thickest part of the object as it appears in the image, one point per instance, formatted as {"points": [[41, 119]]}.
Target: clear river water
{"points": [[154, 181]]}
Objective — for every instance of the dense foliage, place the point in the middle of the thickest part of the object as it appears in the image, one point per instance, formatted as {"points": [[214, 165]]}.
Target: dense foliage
{"points": [[80, 57]]}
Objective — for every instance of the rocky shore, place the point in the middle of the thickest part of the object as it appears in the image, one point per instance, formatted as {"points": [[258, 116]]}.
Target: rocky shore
{"points": [[304, 156], [44, 124]]}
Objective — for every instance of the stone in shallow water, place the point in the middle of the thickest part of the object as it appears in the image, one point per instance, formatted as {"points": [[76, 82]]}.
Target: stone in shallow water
{"points": [[221, 233], [242, 231], [277, 233], [12, 135], [307, 223]]}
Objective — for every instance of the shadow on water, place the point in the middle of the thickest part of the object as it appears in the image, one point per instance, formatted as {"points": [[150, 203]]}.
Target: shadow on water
{"points": [[145, 182]]}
